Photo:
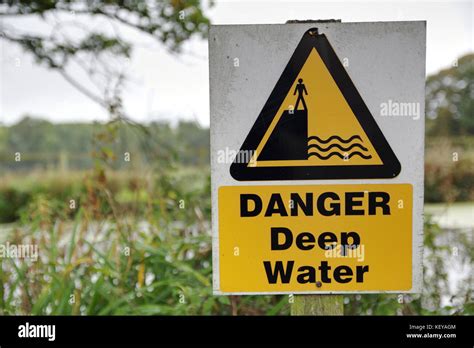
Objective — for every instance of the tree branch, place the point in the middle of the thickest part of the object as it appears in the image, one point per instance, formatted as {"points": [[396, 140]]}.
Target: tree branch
{"points": [[81, 88]]}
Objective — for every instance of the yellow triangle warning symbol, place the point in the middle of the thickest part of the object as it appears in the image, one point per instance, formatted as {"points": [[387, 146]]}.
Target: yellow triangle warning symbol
{"points": [[315, 125]]}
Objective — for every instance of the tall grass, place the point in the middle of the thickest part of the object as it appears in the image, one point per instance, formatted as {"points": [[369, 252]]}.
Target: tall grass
{"points": [[156, 259]]}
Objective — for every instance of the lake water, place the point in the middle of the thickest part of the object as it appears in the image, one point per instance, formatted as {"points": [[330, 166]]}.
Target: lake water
{"points": [[452, 216]]}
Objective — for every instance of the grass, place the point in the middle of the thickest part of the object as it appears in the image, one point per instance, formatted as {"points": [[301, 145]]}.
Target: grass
{"points": [[153, 261], [157, 260]]}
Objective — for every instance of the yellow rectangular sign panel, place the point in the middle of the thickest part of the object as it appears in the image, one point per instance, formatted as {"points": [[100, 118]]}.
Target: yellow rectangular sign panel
{"points": [[331, 238]]}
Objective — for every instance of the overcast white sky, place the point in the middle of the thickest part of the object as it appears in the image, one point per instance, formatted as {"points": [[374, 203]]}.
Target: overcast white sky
{"points": [[169, 87]]}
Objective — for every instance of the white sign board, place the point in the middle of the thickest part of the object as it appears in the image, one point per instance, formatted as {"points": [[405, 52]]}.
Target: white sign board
{"points": [[317, 157]]}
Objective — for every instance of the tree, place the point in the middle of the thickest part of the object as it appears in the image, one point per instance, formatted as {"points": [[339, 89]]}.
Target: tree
{"points": [[100, 52], [449, 99]]}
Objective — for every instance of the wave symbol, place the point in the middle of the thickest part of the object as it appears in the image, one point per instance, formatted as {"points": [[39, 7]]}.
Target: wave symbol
{"points": [[325, 149], [339, 150], [325, 141], [352, 154]]}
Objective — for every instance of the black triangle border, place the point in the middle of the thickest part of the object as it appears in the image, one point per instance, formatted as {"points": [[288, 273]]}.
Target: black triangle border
{"points": [[389, 169]]}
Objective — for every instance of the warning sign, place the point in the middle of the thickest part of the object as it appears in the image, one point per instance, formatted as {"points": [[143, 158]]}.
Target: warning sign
{"points": [[310, 238], [315, 125], [313, 189]]}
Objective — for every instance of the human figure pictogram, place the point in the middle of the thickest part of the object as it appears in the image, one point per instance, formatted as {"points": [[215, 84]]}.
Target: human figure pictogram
{"points": [[301, 90]]}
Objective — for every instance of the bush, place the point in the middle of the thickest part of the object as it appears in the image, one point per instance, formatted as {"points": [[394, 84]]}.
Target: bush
{"points": [[158, 260], [12, 201]]}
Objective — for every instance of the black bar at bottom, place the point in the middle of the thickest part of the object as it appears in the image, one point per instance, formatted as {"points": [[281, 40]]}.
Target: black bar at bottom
{"points": [[428, 330]]}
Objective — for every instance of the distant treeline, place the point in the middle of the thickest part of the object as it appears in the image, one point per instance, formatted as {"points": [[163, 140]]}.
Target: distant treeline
{"points": [[449, 155], [449, 100], [34, 143]]}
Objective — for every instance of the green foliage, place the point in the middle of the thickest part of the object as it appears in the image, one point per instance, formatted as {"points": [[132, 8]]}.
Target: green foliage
{"points": [[12, 201], [44, 145], [449, 176], [168, 21], [157, 261], [449, 100], [449, 156], [155, 258], [140, 243]]}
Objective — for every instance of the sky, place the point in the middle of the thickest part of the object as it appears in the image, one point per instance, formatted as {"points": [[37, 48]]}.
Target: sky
{"points": [[164, 86]]}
